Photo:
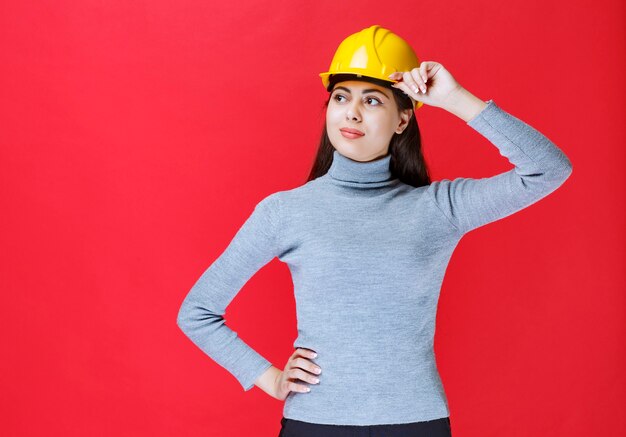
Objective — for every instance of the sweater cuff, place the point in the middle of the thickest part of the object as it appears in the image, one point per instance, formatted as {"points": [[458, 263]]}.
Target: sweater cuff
{"points": [[487, 111]]}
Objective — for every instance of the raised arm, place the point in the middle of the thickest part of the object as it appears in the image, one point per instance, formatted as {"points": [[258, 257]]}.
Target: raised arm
{"points": [[540, 168], [201, 314]]}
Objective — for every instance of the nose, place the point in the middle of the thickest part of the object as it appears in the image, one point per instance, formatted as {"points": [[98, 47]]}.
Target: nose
{"points": [[353, 111]]}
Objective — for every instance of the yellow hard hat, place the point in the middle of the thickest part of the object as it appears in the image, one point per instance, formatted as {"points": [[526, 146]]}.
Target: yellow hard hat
{"points": [[373, 52]]}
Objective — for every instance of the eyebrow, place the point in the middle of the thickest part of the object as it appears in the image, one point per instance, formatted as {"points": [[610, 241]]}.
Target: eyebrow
{"points": [[369, 90]]}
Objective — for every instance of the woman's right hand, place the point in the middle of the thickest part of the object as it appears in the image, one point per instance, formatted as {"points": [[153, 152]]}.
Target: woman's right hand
{"points": [[298, 368], [430, 83]]}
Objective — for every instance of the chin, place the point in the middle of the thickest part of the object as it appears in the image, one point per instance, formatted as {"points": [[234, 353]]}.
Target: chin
{"points": [[359, 154], [351, 152]]}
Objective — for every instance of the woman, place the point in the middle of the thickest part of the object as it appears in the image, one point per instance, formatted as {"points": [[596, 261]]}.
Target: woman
{"points": [[367, 240]]}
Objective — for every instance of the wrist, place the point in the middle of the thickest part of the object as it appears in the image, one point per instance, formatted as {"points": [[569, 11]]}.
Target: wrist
{"points": [[464, 104], [267, 381]]}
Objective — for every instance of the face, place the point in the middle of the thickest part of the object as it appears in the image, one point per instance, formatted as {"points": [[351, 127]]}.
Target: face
{"points": [[369, 109]]}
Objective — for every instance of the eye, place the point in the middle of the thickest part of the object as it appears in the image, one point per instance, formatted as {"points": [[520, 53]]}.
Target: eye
{"points": [[339, 96], [373, 98]]}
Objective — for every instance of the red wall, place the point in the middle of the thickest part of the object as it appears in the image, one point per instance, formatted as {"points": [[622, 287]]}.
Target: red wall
{"points": [[137, 137]]}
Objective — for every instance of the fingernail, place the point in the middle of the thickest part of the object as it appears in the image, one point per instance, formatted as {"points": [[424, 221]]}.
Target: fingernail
{"points": [[314, 354]]}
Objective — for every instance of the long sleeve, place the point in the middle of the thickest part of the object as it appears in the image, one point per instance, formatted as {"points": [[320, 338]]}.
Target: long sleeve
{"points": [[540, 168], [201, 314]]}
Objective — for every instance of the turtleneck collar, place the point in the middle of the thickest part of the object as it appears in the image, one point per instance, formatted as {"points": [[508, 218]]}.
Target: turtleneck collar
{"points": [[344, 170]]}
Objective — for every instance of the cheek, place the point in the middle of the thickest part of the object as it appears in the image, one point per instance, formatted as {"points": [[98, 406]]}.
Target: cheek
{"points": [[331, 123], [383, 126], [333, 115], [376, 126]]}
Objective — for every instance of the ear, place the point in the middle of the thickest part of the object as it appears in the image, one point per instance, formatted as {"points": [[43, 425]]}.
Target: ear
{"points": [[405, 116]]}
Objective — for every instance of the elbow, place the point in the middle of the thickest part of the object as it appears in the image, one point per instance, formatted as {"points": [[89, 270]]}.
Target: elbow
{"points": [[566, 169], [570, 167], [180, 321], [566, 165], [558, 167], [184, 318], [560, 173], [546, 181], [193, 318]]}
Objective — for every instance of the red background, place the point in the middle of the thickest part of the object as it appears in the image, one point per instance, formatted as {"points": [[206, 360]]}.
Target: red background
{"points": [[136, 137]]}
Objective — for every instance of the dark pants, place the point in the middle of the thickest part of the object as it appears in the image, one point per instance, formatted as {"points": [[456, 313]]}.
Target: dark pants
{"points": [[431, 428]]}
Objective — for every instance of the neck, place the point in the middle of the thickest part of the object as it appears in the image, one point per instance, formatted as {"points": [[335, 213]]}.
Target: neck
{"points": [[346, 171]]}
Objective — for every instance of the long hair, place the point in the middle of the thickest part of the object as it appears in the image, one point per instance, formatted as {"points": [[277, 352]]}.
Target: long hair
{"points": [[407, 161]]}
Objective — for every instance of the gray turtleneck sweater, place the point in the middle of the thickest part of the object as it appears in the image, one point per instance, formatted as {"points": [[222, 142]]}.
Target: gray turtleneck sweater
{"points": [[367, 254]]}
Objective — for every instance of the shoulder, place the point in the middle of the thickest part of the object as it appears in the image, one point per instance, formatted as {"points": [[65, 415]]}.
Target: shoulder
{"points": [[291, 195], [274, 204]]}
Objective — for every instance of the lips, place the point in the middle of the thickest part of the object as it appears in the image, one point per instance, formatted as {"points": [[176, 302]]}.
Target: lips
{"points": [[352, 131]]}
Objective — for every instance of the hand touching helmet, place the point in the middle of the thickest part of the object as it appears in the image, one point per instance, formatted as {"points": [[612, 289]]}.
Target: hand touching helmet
{"points": [[430, 83]]}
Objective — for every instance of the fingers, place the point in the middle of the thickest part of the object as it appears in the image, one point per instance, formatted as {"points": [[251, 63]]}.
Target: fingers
{"points": [[411, 82], [292, 386], [415, 80], [307, 352], [300, 374], [424, 71], [300, 367], [305, 364], [406, 90]]}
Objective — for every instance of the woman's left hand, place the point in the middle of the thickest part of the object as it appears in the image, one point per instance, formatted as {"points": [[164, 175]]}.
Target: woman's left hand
{"points": [[437, 87]]}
